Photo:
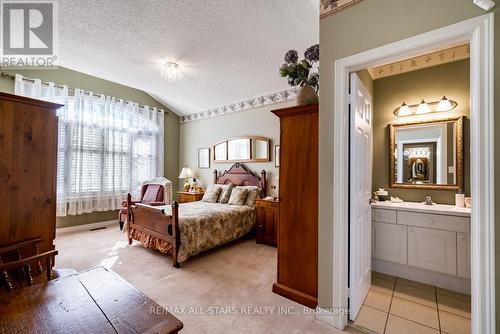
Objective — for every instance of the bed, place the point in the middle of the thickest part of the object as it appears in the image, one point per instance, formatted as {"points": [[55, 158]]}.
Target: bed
{"points": [[188, 229]]}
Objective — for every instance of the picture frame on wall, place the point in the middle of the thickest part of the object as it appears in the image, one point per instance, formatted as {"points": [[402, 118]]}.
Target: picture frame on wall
{"points": [[204, 158], [276, 155]]}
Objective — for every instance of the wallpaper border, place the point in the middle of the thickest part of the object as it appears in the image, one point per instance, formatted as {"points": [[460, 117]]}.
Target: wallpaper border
{"points": [[264, 100]]}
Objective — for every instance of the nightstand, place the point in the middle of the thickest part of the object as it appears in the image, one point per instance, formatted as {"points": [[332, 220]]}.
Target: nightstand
{"points": [[267, 221], [186, 196]]}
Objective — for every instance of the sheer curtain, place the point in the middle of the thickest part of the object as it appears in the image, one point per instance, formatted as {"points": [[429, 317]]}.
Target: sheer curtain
{"points": [[106, 147]]}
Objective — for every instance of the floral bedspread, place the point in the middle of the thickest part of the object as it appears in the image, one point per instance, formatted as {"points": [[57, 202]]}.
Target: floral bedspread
{"points": [[204, 226]]}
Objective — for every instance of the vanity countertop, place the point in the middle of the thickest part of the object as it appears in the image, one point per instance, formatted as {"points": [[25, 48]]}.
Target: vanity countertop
{"points": [[420, 207]]}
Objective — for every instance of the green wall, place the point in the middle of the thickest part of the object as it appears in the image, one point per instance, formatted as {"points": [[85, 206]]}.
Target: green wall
{"points": [[430, 84], [364, 26], [207, 132], [76, 79]]}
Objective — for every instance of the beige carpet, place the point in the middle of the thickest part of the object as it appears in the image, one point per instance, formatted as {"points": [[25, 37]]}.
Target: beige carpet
{"points": [[239, 275]]}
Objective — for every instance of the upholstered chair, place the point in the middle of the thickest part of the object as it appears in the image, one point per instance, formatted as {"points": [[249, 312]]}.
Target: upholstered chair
{"points": [[153, 192]]}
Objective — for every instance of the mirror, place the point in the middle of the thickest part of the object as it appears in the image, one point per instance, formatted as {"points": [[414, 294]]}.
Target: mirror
{"points": [[242, 149], [260, 148], [427, 155], [220, 151], [238, 149]]}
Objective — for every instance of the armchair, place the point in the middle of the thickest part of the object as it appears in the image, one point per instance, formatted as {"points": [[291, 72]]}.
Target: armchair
{"points": [[154, 192]]}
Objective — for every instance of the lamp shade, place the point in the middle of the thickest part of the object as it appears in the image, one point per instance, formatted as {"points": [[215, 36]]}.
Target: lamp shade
{"points": [[186, 173]]}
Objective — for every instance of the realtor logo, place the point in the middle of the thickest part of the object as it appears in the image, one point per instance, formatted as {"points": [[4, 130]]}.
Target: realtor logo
{"points": [[29, 34]]}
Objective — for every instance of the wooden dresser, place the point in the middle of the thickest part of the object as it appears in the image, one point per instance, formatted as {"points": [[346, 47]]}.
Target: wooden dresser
{"points": [[298, 209], [267, 221], [186, 196], [28, 151]]}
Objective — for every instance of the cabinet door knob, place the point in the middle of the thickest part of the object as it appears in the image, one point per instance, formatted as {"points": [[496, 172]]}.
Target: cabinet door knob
{"points": [[261, 226]]}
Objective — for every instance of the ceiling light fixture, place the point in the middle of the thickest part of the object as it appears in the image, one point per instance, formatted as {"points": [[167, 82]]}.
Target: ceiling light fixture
{"points": [[171, 72], [423, 107]]}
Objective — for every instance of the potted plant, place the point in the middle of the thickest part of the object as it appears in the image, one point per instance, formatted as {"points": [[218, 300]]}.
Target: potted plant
{"points": [[298, 73]]}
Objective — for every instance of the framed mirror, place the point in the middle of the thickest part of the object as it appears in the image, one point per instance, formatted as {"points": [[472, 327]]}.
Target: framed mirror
{"points": [[427, 155], [242, 149]]}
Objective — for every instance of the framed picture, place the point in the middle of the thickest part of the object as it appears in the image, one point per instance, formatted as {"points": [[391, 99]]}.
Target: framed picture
{"points": [[276, 155], [203, 158]]}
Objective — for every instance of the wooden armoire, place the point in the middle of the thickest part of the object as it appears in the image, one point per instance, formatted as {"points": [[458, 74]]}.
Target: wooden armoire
{"points": [[28, 163], [298, 209]]}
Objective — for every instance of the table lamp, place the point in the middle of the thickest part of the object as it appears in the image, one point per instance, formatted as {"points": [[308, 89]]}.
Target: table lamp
{"points": [[186, 173]]}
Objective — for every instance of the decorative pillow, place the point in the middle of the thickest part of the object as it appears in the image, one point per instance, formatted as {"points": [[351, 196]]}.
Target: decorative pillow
{"points": [[238, 196], [212, 194], [226, 193], [253, 194]]}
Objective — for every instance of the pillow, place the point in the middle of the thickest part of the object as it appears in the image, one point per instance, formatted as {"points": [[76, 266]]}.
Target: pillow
{"points": [[212, 194], [238, 196], [253, 194], [226, 193]]}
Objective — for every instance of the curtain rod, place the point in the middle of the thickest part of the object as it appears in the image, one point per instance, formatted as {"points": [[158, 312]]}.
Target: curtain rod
{"points": [[12, 77]]}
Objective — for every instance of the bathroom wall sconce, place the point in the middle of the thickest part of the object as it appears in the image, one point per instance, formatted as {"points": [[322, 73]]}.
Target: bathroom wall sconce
{"points": [[423, 107]]}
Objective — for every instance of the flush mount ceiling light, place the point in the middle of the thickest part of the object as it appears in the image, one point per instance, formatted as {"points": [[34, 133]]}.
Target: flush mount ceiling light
{"points": [[171, 72], [423, 107]]}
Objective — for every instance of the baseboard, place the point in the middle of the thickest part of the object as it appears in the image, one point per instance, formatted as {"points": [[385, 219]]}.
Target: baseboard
{"points": [[444, 281], [86, 227], [295, 295], [324, 316]]}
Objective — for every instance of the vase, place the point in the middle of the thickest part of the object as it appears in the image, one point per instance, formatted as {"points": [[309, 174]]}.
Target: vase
{"points": [[306, 95]]}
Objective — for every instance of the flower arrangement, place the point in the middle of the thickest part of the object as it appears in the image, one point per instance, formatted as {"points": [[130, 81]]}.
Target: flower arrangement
{"points": [[298, 72]]}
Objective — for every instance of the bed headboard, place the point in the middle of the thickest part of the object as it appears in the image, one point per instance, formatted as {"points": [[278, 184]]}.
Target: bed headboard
{"points": [[239, 175]]}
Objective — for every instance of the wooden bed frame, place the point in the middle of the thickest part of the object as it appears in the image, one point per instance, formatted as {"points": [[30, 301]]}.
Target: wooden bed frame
{"points": [[153, 221]]}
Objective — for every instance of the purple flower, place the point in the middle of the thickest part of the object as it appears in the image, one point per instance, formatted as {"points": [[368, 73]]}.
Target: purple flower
{"points": [[312, 53], [291, 57]]}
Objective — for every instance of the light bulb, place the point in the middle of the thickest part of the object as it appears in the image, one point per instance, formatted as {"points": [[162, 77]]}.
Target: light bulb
{"points": [[423, 108], [404, 110], [444, 105]]}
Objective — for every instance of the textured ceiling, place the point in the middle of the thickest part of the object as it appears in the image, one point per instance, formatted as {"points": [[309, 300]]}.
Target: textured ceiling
{"points": [[228, 50]]}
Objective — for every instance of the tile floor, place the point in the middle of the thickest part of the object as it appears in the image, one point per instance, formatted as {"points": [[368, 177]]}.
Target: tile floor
{"points": [[396, 305]]}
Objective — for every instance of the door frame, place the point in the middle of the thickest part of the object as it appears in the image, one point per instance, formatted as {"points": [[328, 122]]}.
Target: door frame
{"points": [[478, 32]]}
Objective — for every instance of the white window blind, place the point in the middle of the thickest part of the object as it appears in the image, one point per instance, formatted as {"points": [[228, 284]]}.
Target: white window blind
{"points": [[106, 147]]}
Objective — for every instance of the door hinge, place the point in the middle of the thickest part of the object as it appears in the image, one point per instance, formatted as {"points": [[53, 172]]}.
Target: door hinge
{"points": [[348, 292]]}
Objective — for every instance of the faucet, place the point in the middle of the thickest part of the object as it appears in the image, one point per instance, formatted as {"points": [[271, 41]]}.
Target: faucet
{"points": [[428, 200]]}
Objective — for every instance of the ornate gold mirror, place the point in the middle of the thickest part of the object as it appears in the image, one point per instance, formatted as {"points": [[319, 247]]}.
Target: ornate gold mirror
{"points": [[427, 155], [242, 149]]}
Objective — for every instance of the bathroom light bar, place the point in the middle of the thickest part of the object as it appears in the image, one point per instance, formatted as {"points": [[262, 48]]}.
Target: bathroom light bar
{"points": [[423, 107]]}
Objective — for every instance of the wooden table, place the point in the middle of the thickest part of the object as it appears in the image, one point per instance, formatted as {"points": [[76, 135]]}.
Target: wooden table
{"points": [[93, 301]]}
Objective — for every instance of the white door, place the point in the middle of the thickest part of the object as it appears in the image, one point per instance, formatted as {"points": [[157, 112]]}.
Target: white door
{"points": [[360, 184]]}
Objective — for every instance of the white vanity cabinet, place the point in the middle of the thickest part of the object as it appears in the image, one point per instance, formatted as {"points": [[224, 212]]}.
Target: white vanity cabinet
{"points": [[463, 254], [409, 237], [431, 249]]}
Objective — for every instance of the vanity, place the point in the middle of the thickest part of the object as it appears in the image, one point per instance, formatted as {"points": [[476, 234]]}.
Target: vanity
{"points": [[424, 243]]}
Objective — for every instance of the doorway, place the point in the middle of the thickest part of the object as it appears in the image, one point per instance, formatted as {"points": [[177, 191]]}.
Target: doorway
{"points": [[479, 33]]}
